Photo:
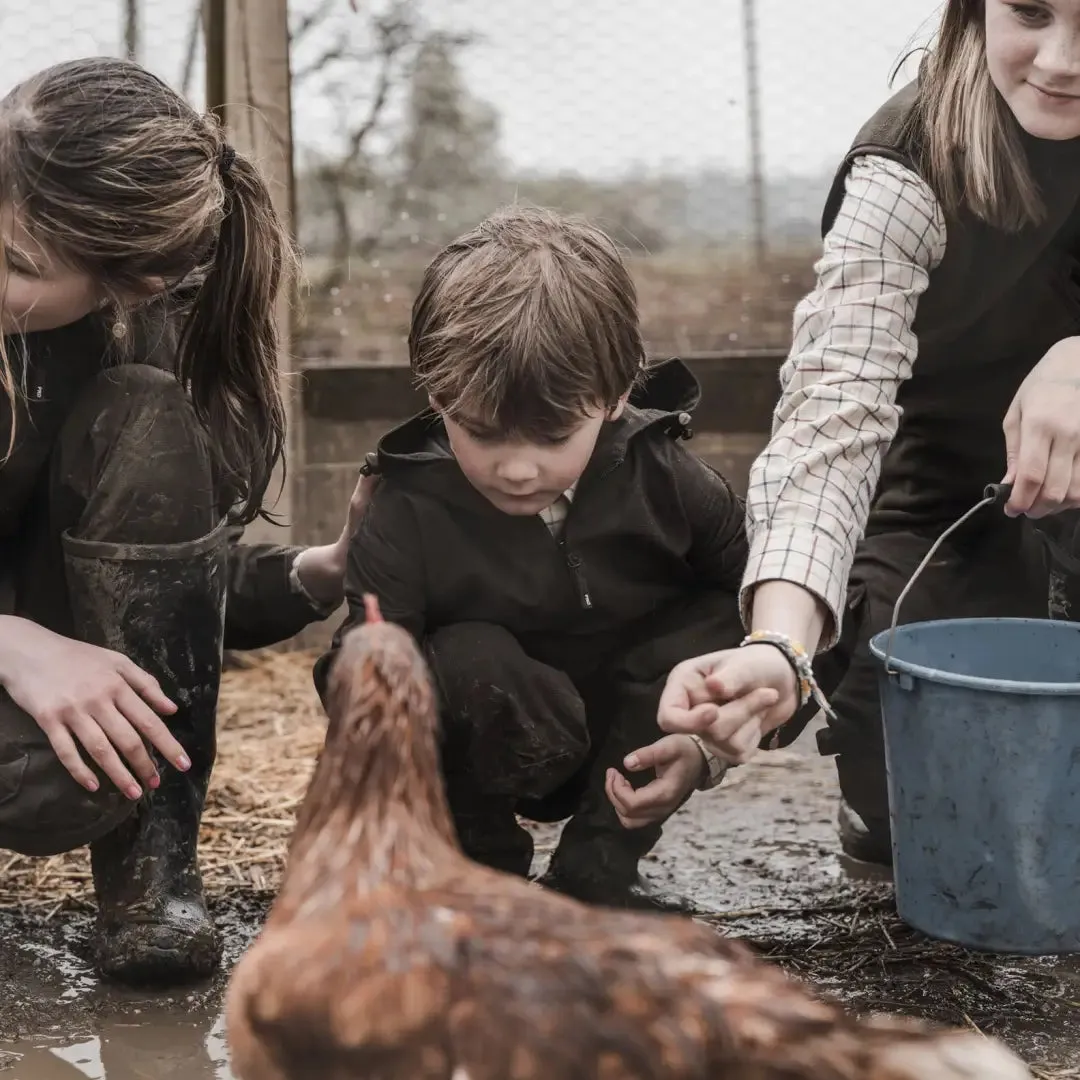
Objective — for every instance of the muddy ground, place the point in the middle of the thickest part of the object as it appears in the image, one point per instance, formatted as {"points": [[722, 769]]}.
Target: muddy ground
{"points": [[760, 854]]}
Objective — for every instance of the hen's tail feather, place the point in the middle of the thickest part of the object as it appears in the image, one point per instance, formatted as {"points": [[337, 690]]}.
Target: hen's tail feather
{"points": [[955, 1055]]}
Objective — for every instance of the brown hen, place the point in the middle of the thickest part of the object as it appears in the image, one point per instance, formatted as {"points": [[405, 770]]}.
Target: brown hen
{"points": [[390, 956]]}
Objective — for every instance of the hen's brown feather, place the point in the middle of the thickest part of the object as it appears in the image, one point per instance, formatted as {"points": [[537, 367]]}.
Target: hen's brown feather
{"points": [[389, 956]]}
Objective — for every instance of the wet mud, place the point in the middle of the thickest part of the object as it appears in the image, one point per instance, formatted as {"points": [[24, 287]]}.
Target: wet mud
{"points": [[758, 856]]}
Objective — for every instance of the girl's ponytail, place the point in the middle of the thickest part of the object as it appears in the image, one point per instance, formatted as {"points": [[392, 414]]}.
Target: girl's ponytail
{"points": [[228, 351], [117, 175]]}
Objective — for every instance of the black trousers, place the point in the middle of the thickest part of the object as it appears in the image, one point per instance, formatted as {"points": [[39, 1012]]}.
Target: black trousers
{"points": [[992, 566], [130, 466], [533, 731]]}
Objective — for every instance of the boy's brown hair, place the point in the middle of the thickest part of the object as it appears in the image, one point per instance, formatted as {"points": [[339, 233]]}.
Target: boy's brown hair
{"points": [[525, 323]]}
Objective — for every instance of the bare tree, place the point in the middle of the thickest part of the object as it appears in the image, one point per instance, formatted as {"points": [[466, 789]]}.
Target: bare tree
{"points": [[366, 67], [356, 67], [448, 155]]}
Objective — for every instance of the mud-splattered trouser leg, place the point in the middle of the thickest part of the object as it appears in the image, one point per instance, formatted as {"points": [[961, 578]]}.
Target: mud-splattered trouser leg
{"points": [[512, 728], [994, 568], [597, 859], [123, 549], [522, 736]]}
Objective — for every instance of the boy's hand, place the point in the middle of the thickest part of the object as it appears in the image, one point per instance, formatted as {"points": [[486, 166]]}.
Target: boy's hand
{"points": [[679, 766]]}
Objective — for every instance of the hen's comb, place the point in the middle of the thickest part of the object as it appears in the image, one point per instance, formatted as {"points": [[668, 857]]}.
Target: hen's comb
{"points": [[372, 614]]}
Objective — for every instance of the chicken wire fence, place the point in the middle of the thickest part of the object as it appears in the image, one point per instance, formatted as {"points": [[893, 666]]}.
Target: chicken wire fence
{"points": [[701, 133], [165, 35]]}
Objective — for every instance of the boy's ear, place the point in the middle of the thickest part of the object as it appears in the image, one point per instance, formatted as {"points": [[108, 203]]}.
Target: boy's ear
{"points": [[616, 410]]}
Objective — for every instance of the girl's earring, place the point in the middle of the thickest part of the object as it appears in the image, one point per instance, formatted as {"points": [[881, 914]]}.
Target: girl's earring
{"points": [[119, 327]]}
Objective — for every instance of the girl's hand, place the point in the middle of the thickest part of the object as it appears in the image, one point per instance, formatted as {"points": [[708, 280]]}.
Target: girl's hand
{"points": [[1042, 436], [732, 699], [679, 765], [358, 502], [79, 692], [322, 569]]}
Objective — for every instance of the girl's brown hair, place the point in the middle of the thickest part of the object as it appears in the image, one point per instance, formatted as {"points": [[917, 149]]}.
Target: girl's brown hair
{"points": [[119, 177], [973, 157]]}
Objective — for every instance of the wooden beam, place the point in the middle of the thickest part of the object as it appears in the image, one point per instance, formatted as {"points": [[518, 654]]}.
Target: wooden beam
{"points": [[738, 395], [131, 30], [248, 86]]}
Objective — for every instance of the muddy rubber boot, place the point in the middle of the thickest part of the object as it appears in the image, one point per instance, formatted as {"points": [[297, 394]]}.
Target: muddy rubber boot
{"points": [[487, 827], [163, 607], [864, 840], [862, 820], [597, 861], [639, 895], [498, 842]]}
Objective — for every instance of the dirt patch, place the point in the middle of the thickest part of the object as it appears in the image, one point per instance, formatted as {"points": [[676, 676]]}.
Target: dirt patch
{"points": [[758, 855]]}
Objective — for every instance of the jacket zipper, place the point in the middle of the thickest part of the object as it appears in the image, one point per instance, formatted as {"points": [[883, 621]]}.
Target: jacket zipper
{"points": [[573, 561]]}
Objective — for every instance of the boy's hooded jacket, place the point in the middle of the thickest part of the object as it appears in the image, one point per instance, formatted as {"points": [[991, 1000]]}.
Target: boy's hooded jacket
{"points": [[649, 523]]}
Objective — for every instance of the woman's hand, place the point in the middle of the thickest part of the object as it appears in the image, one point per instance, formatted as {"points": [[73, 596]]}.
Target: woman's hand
{"points": [[358, 501], [732, 699], [322, 569], [81, 693], [679, 766], [1042, 436]]}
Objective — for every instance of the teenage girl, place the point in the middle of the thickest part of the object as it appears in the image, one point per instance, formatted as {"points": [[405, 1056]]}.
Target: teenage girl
{"points": [[937, 352], [140, 422]]}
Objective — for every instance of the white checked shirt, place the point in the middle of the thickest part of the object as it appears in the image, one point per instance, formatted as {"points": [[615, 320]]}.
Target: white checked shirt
{"points": [[555, 515], [809, 492]]}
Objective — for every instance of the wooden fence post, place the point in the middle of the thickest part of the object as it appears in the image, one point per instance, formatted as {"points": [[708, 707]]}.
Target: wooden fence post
{"points": [[248, 86]]}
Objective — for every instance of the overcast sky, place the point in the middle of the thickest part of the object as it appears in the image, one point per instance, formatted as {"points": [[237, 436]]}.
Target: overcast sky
{"points": [[599, 86]]}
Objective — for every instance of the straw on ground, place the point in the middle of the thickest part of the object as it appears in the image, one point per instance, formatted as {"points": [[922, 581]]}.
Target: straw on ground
{"points": [[271, 729]]}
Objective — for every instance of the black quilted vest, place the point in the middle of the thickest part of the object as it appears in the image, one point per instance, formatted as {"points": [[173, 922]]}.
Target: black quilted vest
{"points": [[994, 306]]}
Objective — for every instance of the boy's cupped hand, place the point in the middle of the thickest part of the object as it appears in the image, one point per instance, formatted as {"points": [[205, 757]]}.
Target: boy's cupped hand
{"points": [[679, 765]]}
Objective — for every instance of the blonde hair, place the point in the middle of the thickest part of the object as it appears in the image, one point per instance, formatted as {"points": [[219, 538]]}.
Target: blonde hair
{"points": [[972, 157], [115, 174], [526, 322]]}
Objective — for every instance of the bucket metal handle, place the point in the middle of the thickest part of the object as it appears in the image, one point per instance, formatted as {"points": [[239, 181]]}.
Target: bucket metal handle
{"points": [[992, 493]]}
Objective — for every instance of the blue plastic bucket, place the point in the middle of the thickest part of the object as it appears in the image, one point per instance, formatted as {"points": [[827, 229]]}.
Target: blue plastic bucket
{"points": [[982, 745]]}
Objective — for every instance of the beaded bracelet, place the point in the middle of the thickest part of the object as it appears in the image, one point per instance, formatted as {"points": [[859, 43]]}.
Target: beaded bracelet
{"points": [[799, 659]]}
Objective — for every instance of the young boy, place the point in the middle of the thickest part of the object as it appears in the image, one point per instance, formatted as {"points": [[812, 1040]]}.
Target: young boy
{"points": [[547, 537]]}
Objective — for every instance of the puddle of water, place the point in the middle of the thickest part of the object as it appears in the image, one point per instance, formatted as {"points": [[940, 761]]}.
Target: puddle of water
{"points": [[58, 1021], [857, 871], [144, 1044]]}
